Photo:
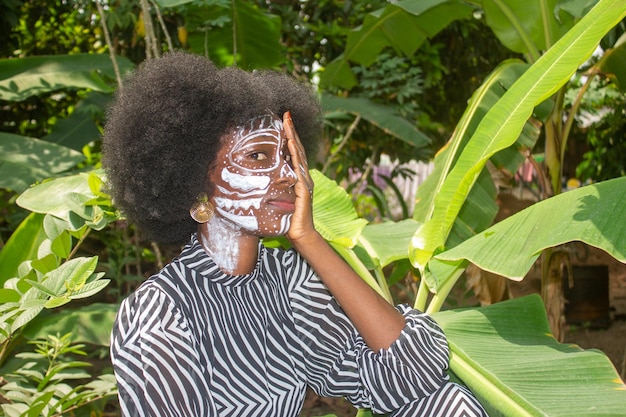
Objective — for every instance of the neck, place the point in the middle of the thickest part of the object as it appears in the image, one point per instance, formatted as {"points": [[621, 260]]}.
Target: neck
{"points": [[232, 249]]}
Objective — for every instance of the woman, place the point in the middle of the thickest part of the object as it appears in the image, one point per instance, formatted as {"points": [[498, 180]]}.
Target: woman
{"points": [[210, 157]]}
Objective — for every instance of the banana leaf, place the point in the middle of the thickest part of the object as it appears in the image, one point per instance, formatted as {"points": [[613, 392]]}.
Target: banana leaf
{"points": [[594, 214], [333, 213], [506, 355], [480, 208], [502, 125], [382, 117], [526, 26]]}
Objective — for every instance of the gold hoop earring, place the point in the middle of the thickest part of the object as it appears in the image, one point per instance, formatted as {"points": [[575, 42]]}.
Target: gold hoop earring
{"points": [[202, 211]]}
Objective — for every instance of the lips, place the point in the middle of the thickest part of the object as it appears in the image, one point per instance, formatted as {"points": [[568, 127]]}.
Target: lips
{"points": [[283, 205]]}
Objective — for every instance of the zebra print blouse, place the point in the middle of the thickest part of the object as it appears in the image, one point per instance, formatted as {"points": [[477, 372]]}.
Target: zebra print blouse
{"points": [[193, 341]]}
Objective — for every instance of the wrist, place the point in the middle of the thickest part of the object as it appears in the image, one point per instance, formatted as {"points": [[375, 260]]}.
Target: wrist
{"points": [[307, 240]]}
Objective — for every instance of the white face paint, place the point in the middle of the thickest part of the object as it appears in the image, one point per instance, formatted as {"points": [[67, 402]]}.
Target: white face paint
{"points": [[253, 195], [219, 240], [253, 183]]}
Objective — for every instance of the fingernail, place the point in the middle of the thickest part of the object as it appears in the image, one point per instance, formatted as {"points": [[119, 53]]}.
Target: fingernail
{"points": [[288, 117]]}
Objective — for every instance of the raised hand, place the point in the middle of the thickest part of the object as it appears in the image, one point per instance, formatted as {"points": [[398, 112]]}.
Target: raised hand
{"points": [[302, 220]]}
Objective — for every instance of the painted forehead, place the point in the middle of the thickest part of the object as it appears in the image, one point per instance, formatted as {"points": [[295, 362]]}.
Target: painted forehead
{"points": [[267, 124]]}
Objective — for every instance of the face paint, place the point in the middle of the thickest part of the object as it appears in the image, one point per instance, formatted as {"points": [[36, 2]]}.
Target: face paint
{"points": [[254, 180], [219, 241]]}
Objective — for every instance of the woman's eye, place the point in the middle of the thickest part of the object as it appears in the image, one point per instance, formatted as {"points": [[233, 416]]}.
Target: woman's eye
{"points": [[258, 156]]}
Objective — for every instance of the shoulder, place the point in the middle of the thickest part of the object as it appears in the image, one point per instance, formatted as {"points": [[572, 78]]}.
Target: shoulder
{"points": [[158, 298]]}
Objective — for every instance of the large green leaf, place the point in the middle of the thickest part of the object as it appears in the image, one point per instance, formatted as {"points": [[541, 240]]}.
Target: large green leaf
{"points": [[403, 25], [24, 160], [21, 246], [594, 214], [502, 125], [21, 78], [70, 199], [333, 212], [506, 355], [479, 208], [380, 116], [388, 242], [526, 26], [483, 99]]}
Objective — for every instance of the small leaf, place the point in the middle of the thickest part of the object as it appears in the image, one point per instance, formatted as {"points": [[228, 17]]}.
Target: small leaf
{"points": [[45, 264], [62, 245], [26, 316], [90, 289], [74, 273], [41, 287], [55, 302]]}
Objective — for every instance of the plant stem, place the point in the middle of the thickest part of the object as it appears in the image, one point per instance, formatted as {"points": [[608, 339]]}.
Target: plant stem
{"points": [[350, 257], [422, 296], [107, 38], [440, 297], [168, 38]]}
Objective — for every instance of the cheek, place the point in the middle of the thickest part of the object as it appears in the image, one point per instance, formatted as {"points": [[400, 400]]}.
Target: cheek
{"points": [[245, 182]]}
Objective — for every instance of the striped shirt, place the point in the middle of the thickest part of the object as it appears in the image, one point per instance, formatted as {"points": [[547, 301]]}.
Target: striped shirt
{"points": [[193, 341]]}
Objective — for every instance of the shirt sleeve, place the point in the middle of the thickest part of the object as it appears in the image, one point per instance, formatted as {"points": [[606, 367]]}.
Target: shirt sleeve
{"points": [[155, 362], [339, 363]]}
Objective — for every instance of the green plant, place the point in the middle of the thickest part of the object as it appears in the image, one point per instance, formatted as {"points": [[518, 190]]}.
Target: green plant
{"points": [[492, 348], [45, 383], [40, 271], [531, 32], [498, 351]]}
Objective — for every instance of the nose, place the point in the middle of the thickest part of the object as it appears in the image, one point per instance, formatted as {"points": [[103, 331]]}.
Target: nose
{"points": [[287, 175]]}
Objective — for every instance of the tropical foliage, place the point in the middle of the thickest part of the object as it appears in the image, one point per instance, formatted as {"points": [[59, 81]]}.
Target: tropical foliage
{"points": [[61, 222]]}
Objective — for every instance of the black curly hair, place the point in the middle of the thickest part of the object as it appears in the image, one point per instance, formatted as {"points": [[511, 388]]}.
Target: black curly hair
{"points": [[163, 131]]}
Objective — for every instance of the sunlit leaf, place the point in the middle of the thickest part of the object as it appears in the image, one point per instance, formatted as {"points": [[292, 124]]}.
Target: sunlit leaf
{"points": [[388, 242], [63, 197], [503, 123], [506, 355], [588, 214], [333, 212]]}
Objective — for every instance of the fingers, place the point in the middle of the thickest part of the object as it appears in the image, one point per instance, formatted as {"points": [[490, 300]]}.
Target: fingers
{"points": [[298, 155]]}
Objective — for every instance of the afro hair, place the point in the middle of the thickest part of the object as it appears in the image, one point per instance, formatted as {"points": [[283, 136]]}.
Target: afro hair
{"points": [[163, 131]]}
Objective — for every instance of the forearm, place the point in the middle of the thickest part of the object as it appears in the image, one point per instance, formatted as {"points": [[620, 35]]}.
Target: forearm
{"points": [[378, 322]]}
